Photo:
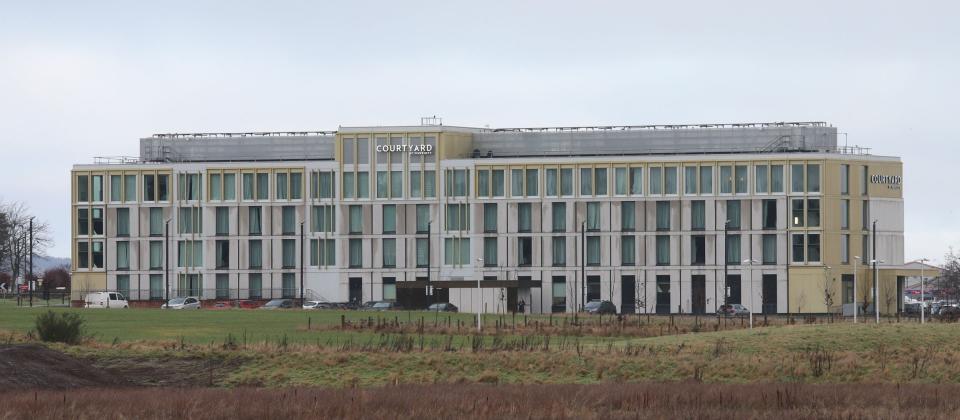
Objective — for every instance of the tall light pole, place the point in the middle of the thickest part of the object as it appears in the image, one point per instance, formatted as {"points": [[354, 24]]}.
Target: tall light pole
{"points": [[166, 259], [922, 303], [855, 308], [479, 295], [726, 226], [876, 280], [750, 262], [301, 269]]}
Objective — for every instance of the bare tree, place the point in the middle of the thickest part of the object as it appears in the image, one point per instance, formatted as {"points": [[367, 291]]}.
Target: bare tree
{"points": [[829, 289], [949, 281], [15, 236]]}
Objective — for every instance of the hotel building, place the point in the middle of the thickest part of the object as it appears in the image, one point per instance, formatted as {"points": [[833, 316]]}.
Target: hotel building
{"points": [[658, 219]]}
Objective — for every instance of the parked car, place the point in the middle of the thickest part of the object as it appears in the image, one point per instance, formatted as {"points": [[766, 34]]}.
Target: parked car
{"points": [[442, 307], [316, 304], [733, 309], [600, 307], [108, 300], [368, 305], [278, 304], [947, 309], [224, 305], [383, 306], [189, 302], [249, 304]]}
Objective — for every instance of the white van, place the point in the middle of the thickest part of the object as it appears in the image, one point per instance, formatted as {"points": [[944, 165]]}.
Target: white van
{"points": [[110, 300]]}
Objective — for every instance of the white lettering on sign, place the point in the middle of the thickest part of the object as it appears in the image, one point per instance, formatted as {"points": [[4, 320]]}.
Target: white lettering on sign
{"points": [[413, 149]]}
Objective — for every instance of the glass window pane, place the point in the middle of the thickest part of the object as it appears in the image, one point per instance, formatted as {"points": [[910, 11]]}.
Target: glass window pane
{"points": [[663, 215], [813, 247], [636, 181], [389, 218], [552, 181], [263, 186], [726, 180], [586, 181], [363, 184], [229, 186], [706, 180], [123, 222], [559, 217], [776, 178], [115, 188], [600, 181], [628, 252], [516, 183], [798, 255], [769, 249], [247, 186], [532, 183], [296, 185], [796, 178], [797, 212], [656, 180], [82, 189], [215, 187], [813, 213], [593, 250], [663, 250], [396, 184], [566, 182], [670, 180], [497, 181], [255, 221], [490, 217], [593, 216], [382, 191], [698, 216], [760, 179], [129, 188], [416, 191], [628, 216], [741, 179], [813, 178], [733, 214], [620, 181], [483, 183], [429, 184], [690, 180]]}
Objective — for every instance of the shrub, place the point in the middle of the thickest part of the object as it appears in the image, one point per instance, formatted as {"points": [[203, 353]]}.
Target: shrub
{"points": [[62, 327]]}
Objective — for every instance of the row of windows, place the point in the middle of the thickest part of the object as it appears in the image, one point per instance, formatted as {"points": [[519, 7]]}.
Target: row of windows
{"points": [[189, 284], [221, 186], [356, 150]]}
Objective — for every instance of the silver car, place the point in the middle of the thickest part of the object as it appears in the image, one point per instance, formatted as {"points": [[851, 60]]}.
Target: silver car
{"points": [[189, 302]]}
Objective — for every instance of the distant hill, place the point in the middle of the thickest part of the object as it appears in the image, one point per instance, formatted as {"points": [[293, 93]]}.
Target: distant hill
{"points": [[41, 264]]}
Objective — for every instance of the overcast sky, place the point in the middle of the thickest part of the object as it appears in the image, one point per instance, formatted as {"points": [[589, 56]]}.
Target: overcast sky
{"points": [[85, 79]]}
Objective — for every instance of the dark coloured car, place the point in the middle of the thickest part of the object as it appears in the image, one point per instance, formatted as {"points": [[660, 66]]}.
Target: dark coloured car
{"points": [[733, 309], [278, 304], [442, 307], [600, 307], [368, 305], [383, 306]]}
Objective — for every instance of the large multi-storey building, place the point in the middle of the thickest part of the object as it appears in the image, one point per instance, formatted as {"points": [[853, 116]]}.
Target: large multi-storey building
{"points": [[659, 219]]}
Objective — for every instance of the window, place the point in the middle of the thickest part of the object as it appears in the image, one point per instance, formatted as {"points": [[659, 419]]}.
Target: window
{"points": [[156, 286], [215, 189], [761, 181], [593, 288], [123, 221], [456, 251], [123, 284], [356, 219], [690, 180], [524, 251], [865, 214], [422, 248], [490, 252], [130, 188], [190, 220], [83, 189], [490, 217], [733, 249], [593, 216], [96, 219], [865, 170], [246, 187], [706, 180], [865, 247], [349, 185], [628, 216], [551, 181], [844, 214], [222, 257], [813, 213], [769, 209], [797, 211], [389, 219], [798, 245], [600, 181], [586, 181], [670, 180], [698, 215], [845, 248], [363, 184], [663, 294], [255, 285], [321, 184], [734, 291], [389, 289], [559, 247], [116, 187], [288, 220], [430, 183], [288, 253], [456, 182], [389, 252], [566, 182], [593, 250], [558, 291], [845, 179], [83, 221], [497, 181], [663, 250], [726, 180], [323, 219], [628, 250], [156, 255], [663, 215], [524, 217], [698, 250], [636, 181], [223, 286], [96, 184], [322, 252], [733, 214], [483, 183], [558, 217], [263, 186], [382, 181], [189, 254], [189, 186], [123, 255], [813, 178], [255, 259], [83, 254], [776, 178], [288, 285], [97, 254], [532, 183], [769, 249], [223, 221], [620, 181], [813, 247], [155, 187], [796, 177], [255, 223], [423, 218], [156, 221], [458, 217], [740, 178]]}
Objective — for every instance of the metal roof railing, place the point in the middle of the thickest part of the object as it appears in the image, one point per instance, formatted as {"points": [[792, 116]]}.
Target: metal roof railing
{"points": [[663, 127], [188, 136]]}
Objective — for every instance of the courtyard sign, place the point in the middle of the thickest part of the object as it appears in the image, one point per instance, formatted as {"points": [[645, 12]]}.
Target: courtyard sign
{"points": [[413, 149], [891, 181]]}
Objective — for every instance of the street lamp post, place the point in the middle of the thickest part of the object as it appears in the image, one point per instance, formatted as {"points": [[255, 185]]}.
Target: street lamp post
{"points": [[855, 308], [726, 226], [750, 262], [479, 295], [301, 268], [166, 259], [876, 280], [923, 261]]}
